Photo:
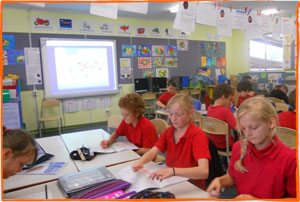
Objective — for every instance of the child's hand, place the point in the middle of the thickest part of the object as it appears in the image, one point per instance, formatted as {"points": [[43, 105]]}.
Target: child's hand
{"points": [[138, 165], [214, 188], [245, 196], [162, 174], [105, 143]]}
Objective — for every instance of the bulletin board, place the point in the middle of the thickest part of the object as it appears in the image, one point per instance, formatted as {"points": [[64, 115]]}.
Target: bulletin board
{"points": [[191, 57]]}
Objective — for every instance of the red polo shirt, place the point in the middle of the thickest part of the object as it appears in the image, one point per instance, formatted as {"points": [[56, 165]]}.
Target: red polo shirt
{"points": [[242, 99], [164, 98], [142, 135], [287, 119], [224, 114], [271, 171]]}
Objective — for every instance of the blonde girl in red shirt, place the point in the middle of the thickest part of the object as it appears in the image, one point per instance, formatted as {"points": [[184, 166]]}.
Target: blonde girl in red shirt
{"points": [[261, 166]]}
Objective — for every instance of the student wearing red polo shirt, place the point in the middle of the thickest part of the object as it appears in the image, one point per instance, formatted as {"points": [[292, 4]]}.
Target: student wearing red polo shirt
{"points": [[288, 119], [261, 166], [223, 96], [186, 145], [138, 129], [164, 98], [244, 88]]}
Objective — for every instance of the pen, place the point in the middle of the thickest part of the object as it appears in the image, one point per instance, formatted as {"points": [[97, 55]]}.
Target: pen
{"points": [[46, 191], [144, 170]]}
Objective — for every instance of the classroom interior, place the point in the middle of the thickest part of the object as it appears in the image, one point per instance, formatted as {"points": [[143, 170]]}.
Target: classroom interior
{"points": [[195, 70]]}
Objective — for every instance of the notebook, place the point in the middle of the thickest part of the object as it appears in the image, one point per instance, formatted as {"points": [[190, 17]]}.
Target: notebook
{"points": [[45, 168]]}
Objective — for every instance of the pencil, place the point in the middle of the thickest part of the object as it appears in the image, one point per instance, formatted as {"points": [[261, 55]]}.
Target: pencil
{"points": [[146, 171], [46, 191]]}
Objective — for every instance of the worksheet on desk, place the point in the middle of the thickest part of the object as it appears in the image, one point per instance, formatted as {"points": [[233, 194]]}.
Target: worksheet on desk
{"points": [[115, 147]]}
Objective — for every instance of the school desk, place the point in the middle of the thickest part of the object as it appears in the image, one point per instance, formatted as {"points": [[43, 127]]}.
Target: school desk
{"points": [[161, 112], [92, 138], [180, 190], [53, 145]]}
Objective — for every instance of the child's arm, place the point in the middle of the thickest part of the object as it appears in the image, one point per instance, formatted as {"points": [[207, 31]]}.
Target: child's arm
{"points": [[142, 151], [161, 105], [199, 172], [149, 156], [215, 186], [112, 139]]}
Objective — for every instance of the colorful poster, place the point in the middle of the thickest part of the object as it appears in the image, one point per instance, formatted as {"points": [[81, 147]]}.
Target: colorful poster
{"points": [[129, 50], [182, 45], [124, 29], [158, 62], [148, 74], [219, 62], [156, 31], [223, 71], [5, 58], [64, 24], [158, 50], [144, 50], [125, 68], [162, 72], [86, 26], [171, 61], [214, 61], [42, 23], [144, 62], [8, 42], [16, 57], [208, 62], [203, 61], [223, 61], [170, 50], [141, 30]]}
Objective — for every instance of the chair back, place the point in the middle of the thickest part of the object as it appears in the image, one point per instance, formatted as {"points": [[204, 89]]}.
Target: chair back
{"points": [[281, 107], [51, 109], [197, 118], [160, 125], [276, 100], [287, 136], [149, 99], [113, 122], [195, 93], [185, 92], [217, 127]]}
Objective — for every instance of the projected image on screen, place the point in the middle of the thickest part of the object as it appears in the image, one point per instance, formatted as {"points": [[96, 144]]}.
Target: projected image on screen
{"points": [[77, 67], [82, 67]]}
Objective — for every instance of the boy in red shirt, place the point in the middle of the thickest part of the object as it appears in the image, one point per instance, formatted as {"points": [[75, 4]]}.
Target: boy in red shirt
{"points": [[288, 119], [244, 88], [164, 98], [138, 129], [223, 96]]}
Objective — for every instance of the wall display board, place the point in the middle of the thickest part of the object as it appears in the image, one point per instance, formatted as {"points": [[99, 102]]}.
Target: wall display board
{"points": [[209, 56]]}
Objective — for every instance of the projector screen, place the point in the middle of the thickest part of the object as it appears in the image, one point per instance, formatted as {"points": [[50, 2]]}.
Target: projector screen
{"points": [[78, 67]]}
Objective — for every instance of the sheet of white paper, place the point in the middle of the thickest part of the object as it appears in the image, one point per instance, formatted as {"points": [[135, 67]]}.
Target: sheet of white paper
{"points": [[109, 10], [265, 23], [33, 66], [122, 146], [238, 19], [39, 195], [89, 104], [253, 30], [106, 28], [45, 168], [224, 22], [141, 8], [206, 14], [276, 29], [11, 116], [86, 26], [70, 106], [185, 17], [285, 25]]}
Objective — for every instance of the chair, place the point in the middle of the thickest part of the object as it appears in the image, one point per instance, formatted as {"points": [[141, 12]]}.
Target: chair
{"points": [[195, 93], [287, 136], [281, 107], [149, 99], [113, 122], [276, 100], [51, 111], [197, 118], [185, 91], [160, 125], [217, 127]]}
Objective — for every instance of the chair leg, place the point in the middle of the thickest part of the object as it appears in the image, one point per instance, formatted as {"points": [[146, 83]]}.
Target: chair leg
{"points": [[40, 128], [58, 122]]}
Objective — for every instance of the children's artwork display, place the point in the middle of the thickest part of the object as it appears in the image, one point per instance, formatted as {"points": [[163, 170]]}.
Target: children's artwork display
{"points": [[129, 50], [158, 50], [157, 62], [15, 57], [170, 50], [182, 45], [144, 50], [144, 62], [148, 73], [162, 72], [125, 68], [8, 42], [171, 62]]}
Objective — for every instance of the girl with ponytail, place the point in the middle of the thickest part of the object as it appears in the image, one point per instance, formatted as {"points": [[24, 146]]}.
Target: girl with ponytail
{"points": [[261, 166]]}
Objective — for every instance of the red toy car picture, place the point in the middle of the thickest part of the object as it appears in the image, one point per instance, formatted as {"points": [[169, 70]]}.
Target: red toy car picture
{"points": [[40, 21]]}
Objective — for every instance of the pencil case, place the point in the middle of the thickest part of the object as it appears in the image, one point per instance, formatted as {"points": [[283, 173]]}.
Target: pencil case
{"points": [[102, 189]]}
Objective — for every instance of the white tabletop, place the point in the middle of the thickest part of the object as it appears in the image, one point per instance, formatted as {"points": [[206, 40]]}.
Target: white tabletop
{"points": [[53, 145], [181, 190], [166, 113], [92, 138]]}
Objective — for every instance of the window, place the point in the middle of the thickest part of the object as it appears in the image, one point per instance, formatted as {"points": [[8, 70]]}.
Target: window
{"points": [[265, 55]]}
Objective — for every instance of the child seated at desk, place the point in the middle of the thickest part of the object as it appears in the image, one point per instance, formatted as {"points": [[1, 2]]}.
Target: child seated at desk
{"points": [[186, 145], [18, 150], [288, 119], [164, 98], [138, 129], [261, 166], [245, 90], [223, 96]]}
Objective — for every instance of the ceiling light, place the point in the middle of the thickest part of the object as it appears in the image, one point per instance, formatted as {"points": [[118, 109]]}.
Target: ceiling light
{"points": [[269, 11], [174, 9]]}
